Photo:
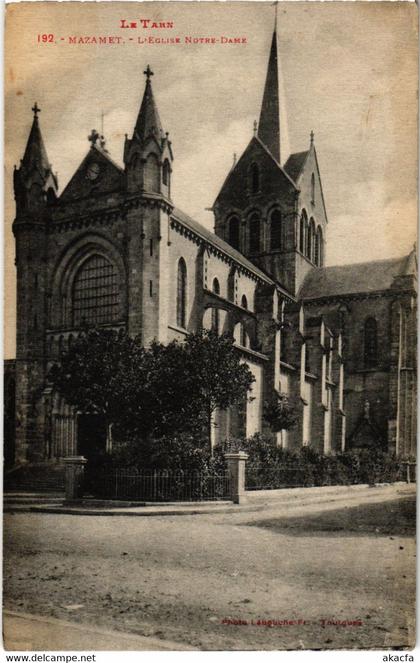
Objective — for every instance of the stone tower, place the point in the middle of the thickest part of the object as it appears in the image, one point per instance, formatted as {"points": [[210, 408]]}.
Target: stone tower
{"points": [[35, 188], [148, 161], [270, 210]]}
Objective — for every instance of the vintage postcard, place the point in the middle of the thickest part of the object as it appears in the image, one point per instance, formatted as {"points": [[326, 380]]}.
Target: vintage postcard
{"points": [[210, 326]]}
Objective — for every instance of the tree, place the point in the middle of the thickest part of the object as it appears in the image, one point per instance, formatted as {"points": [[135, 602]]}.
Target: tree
{"points": [[218, 378], [156, 393], [103, 373], [280, 413]]}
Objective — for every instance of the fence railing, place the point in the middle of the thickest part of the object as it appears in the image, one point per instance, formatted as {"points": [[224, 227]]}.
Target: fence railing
{"points": [[155, 485], [293, 475], [122, 483]]}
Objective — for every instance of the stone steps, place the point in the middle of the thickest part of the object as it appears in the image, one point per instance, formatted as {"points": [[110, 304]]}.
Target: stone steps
{"points": [[37, 478]]}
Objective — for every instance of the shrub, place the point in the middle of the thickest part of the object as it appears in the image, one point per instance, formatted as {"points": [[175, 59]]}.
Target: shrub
{"points": [[180, 452], [269, 466], [280, 413]]}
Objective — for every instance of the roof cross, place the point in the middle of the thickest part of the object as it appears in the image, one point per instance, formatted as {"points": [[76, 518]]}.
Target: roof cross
{"points": [[312, 137], [148, 72], [35, 108], [93, 137]]}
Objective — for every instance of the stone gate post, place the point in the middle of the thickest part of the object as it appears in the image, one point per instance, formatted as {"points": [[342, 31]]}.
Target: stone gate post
{"points": [[75, 469], [236, 468]]}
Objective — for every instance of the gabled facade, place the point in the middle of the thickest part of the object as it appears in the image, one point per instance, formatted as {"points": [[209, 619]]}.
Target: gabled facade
{"points": [[113, 250]]}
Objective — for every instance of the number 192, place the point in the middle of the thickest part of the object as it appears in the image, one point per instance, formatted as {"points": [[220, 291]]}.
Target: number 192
{"points": [[45, 38]]}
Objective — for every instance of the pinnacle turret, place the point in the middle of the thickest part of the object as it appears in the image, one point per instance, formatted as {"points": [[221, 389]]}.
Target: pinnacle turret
{"points": [[148, 154], [35, 155], [34, 182], [148, 120]]}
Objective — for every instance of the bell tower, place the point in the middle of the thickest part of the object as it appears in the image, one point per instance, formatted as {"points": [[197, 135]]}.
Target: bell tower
{"points": [[35, 188], [255, 210], [271, 205], [148, 161]]}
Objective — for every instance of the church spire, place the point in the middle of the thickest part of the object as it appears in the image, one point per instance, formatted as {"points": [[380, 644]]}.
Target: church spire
{"points": [[269, 124], [35, 155], [272, 126], [148, 120]]}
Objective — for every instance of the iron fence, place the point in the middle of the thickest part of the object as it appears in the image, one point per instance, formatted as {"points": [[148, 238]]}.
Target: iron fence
{"points": [[156, 485], [326, 473]]}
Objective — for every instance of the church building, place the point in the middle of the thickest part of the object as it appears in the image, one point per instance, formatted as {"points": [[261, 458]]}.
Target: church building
{"points": [[112, 250]]}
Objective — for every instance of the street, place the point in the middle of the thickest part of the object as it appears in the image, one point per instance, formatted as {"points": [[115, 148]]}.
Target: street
{"points": [[329, 579]]}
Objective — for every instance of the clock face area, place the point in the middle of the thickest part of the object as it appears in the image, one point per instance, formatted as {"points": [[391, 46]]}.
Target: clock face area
{"points": [[92, 171]]}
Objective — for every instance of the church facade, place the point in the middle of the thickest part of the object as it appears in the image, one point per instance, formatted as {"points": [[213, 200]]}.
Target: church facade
{"points": [[112, 250]]}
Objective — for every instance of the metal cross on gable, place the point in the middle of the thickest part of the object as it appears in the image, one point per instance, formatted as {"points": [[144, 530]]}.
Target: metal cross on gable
{"points": [[93, 136], [35, 109]]}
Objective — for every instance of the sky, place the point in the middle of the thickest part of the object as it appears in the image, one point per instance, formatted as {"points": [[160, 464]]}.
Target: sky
{"points": [[348, 69]]}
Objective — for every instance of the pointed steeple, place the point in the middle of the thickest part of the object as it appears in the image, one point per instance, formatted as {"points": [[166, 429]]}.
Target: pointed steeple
{"points": [[269, 124], [34, 183], [272, 127], [148, 120], [35, 156], [148, 154]]}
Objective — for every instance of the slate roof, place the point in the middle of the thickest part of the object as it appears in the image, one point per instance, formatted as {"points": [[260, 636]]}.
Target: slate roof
{"points": [[351, 279], [218, 243], [295, 163]]}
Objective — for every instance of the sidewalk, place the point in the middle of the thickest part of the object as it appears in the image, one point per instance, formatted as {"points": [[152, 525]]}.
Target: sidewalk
{"points": [[23, 632], [289, 498]]}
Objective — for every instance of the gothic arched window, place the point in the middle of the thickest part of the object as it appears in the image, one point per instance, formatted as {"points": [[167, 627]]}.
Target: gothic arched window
{"points": [[244, 302], [240, 336], [302, 231], [135, 170], [318, 247], [166, 173], [152, 174], [181, 299], [254, 233], [254, 172], [275, 230], [371, 343], [96, 292], [310, 248], [312, 188], [233, 232]]}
